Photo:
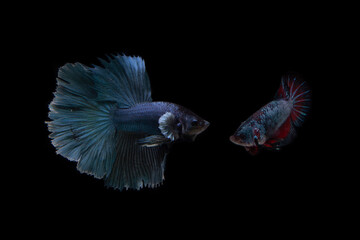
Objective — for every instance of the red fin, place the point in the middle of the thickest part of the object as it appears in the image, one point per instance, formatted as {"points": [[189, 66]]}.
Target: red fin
{"points": [[252, 150], [295, 89], [270, 143], [281, 92]]}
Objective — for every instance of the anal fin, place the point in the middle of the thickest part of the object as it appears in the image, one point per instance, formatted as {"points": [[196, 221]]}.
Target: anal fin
{"points": [[135, 166]]}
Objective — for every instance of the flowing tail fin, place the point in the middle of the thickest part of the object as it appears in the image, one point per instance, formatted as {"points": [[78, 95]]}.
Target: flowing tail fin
{"points": [[298, 92], [81, 126]]}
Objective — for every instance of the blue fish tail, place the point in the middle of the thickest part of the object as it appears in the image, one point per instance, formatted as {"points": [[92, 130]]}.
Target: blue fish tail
{"points": [[80, 126], [82, 129]]}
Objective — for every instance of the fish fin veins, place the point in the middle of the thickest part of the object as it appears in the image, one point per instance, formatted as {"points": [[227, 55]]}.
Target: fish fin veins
{"points": [[298, 92], [136, 166], [80, 125], [122, 79]]}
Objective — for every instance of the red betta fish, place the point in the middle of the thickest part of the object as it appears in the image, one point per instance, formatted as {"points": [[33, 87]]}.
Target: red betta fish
{"points": [[273, 126]]}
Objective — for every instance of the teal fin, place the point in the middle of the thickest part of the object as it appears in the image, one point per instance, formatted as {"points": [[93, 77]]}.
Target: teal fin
{"points": [[122, 79], [135, 166], [153, 141], [80, 126]]}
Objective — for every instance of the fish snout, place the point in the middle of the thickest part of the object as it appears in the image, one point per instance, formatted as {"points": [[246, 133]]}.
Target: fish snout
{"points": [[203, 125], [235, 139]]}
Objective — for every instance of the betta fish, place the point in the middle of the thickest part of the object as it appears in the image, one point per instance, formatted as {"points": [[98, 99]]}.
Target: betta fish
{"points": [[273, 126], [103, 118]]}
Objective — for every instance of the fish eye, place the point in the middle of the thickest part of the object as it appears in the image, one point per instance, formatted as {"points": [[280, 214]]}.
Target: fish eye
{"points": [[194, 123]]}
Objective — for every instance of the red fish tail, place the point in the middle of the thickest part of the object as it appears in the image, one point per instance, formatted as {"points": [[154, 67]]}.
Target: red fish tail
{"points": [[296, 90]]}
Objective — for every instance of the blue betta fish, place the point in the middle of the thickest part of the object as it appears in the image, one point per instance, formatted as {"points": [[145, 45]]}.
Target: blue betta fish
{"points": [[273, 125], [103, 117]]}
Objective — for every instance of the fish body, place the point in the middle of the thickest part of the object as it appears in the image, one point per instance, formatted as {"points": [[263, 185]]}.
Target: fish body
{"points": [[103, 117], [159, 118], [273, 125]]}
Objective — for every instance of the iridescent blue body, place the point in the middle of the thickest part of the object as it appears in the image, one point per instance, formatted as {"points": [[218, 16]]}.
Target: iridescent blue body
{"points": [[143, 117]]}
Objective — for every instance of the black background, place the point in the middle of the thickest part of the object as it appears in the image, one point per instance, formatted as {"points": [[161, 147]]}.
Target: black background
{"points": [[222, 67]]}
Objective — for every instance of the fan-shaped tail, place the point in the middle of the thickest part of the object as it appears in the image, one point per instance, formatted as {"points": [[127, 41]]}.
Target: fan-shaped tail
{"points": [[80, 123], [298, 92]]}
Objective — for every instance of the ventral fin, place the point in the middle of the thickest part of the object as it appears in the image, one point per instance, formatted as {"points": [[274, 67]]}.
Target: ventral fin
{"points": [[252, 150], [153, 141], [168, 126]]}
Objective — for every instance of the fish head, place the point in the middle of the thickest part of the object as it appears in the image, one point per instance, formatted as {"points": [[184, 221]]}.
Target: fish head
{"points": [[247, 135], [192, 125]]}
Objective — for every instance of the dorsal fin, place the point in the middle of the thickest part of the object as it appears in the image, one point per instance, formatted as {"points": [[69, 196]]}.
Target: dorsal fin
{"points": [[122, 79]]}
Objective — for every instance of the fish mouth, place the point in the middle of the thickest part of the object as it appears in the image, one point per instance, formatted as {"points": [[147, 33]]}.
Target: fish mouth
{"points": [[206, 125], [236, 140]]}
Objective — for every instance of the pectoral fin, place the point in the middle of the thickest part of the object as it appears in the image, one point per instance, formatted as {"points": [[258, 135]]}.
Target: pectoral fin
{"points": [[168, 126]]}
